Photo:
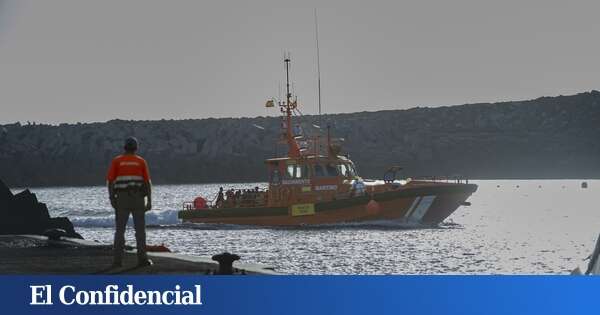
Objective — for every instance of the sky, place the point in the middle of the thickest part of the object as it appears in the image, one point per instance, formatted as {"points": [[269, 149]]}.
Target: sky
{"points": [[83, 61]]}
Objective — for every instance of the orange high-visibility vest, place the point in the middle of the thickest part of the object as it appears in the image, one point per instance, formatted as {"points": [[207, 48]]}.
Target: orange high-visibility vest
{"points": [[128, 171]]}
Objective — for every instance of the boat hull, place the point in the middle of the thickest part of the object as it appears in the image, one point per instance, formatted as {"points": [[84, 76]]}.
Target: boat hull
{"points": [[427, 204]]}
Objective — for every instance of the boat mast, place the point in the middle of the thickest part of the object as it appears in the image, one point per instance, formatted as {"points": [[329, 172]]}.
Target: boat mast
{"points": [[320, 123], [289, 106], [318, 65]]}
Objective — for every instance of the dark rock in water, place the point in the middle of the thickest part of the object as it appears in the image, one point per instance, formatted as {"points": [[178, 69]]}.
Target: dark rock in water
{"points": [[5, 193], [24, 214], [63, 223]]}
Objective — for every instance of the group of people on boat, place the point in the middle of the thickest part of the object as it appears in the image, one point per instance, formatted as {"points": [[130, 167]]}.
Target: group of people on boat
{"points": [[240, 198]]}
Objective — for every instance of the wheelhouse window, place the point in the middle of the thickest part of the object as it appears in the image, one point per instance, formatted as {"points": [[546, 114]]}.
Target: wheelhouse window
{"points": [[332, 170], [275, 177], [319, 171], [291, 169], [343, 169], [350, 171], [304, 171], [296, 171]]}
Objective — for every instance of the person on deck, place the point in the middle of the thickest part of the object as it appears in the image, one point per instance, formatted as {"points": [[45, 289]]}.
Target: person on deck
{"points": [[238, 197], [220, 198]]}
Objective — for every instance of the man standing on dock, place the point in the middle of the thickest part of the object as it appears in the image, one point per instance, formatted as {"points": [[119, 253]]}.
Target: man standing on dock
{"points": [[130, 191]]}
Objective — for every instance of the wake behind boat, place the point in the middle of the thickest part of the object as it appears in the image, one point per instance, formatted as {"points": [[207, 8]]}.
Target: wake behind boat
{"points": [[311, 187]]}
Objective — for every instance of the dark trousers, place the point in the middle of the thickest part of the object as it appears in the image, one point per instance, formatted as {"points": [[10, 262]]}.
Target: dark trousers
{"points": [[130, 203]]}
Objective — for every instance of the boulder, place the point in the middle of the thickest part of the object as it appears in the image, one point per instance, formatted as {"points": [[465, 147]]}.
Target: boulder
{"points": [[24, 214], [5, 194], [63, 223]]}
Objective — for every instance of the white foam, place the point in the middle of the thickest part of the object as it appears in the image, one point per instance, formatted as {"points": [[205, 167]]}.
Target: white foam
{"points": [[155, 217]]}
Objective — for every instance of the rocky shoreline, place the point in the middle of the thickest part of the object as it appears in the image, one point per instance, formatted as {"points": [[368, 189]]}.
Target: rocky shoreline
{"points": [[23, 214], [549, 137]]}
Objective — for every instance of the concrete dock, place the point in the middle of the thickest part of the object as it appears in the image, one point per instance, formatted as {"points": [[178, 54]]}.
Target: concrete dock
{"points": [[33, 254]]}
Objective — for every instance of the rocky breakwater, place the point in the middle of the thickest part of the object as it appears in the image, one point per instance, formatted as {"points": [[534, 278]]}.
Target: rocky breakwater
{"points": [[23, 214], [548, 137]]}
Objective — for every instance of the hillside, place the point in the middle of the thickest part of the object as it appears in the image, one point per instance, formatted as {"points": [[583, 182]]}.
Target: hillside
{"points": [[549, 137]]}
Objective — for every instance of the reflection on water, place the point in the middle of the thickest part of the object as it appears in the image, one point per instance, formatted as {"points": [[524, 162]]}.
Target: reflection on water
{"points": [[539, 227]]}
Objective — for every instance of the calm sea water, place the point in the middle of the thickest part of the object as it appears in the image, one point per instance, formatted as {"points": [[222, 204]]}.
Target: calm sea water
{"points": [[512, 227]]}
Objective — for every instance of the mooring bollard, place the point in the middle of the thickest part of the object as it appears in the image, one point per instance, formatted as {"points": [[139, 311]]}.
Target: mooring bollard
{"points": [[584, 185], [225, 261]]}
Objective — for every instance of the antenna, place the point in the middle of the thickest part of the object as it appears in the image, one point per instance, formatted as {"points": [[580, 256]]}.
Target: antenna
{"points": [[318, 64], [286, 60], [287, 109]]}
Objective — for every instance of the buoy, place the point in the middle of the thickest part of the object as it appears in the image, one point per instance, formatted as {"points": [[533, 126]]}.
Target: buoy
{"points": [[373, 207], [199, 203], [584, 185]]}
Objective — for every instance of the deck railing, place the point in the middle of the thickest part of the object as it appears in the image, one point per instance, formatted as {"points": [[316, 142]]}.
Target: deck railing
{"points": [[447, 179]]}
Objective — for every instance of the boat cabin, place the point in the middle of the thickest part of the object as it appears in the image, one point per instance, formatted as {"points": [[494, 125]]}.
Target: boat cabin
{"points": [[309, 179]]}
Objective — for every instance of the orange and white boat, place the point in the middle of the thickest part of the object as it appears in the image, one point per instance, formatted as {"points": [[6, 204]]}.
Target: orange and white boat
{"points": [[309, 187]]}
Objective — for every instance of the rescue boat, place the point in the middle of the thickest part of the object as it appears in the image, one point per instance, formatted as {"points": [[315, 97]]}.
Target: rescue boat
{"points": [[311, 187]]}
